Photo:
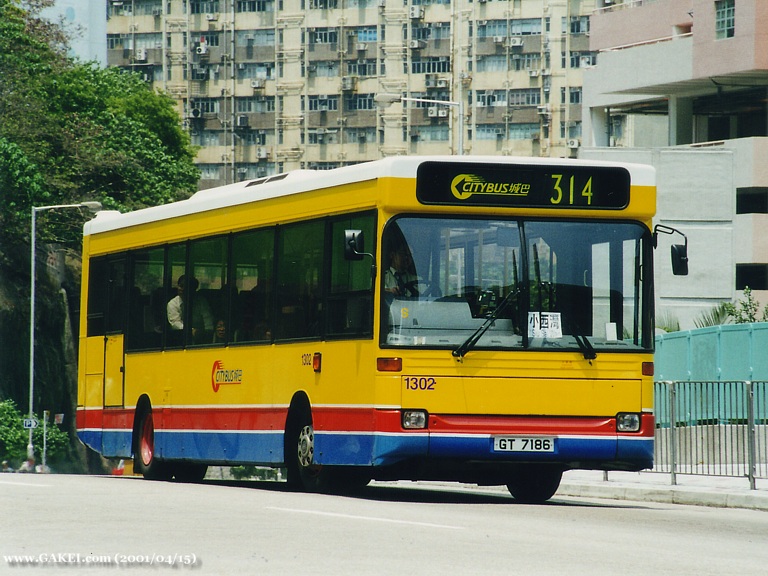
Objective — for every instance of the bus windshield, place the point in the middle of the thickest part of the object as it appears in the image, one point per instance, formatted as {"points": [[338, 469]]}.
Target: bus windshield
{"points": [[523, 284]]}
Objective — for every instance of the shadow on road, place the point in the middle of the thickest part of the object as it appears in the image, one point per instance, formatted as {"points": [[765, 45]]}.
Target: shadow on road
{"points": [[423, 493]]}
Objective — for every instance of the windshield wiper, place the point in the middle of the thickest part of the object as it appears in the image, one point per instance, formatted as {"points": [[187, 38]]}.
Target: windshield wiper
{"points": [[470, 342], [584, 344]]}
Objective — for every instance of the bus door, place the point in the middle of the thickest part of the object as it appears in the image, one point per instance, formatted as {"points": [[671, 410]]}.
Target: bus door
{"points": [[114, 337]]}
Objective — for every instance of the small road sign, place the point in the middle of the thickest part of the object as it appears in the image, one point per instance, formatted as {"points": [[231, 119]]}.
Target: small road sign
{"points": [[30, 423]]}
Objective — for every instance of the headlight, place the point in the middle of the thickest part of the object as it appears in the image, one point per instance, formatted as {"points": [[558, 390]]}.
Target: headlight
{"points": [[627, 422], [414, 419]]}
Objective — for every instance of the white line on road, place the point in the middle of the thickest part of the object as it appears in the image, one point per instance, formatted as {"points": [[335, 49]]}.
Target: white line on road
{"points": [[25, 484], [366, 518]]}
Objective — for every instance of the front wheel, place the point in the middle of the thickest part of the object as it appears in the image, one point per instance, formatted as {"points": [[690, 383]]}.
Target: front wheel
{"points": [[535, 483], [313, 477], [191, 473]]}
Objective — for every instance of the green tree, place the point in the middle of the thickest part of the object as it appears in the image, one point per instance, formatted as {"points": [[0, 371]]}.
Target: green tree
{"points": [[69, 131], [89, 133], [746, 309], [14, 439]]}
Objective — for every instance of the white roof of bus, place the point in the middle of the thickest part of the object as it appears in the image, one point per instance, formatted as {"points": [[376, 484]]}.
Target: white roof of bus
{"points": [[304, 180]]}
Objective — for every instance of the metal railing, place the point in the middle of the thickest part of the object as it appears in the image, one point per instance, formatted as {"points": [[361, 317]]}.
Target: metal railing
{"points": [[712, 428]]}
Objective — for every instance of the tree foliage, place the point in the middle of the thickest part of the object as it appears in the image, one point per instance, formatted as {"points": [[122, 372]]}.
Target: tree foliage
{"points": [[79, 132], [747, 309], [14, 439], [714, 317]]}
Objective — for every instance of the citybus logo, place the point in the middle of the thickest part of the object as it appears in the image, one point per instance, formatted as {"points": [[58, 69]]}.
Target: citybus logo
{"points": [[221, 376], [465, 185]]}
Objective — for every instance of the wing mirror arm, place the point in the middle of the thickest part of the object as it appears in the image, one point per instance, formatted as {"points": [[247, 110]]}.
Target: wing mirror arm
{"points": [[679, 252], [354, 248]]}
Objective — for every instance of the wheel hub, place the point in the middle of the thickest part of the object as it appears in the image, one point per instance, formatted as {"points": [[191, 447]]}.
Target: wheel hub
{"points": [[306, 447]]}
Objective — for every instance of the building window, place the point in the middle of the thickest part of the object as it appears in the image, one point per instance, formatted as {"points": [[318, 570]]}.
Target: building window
{"points": [[574, 95], [433, 65], [752, 200], [204, 6], [754, 276], [492, 63], [359, 102], [491, 98], [255, 6], [324, 36], [323, 103], [209, 171], [725, 18], [525, 97], [361, 67]]}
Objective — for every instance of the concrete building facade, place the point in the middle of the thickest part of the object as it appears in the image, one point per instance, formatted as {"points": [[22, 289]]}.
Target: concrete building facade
{"points": [[266, 86], [683, 85]]}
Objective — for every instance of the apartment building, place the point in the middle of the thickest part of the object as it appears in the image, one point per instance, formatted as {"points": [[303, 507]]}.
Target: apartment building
{"points": [[266, 86], [683, 85]]}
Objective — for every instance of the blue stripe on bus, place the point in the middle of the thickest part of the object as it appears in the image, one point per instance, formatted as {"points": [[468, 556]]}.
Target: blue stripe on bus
{"points": [[108, 443], [234, 447], [362, 449], [638, 451]]}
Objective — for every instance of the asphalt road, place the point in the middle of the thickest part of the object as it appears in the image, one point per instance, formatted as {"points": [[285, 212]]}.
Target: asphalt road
{"points": [[97, 525]]}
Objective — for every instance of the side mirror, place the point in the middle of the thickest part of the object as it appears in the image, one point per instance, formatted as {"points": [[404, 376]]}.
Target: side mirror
{"points": [[679, 251], [680, 259], [354, 245]]}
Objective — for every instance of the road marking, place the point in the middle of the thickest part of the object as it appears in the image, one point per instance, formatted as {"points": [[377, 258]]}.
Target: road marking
{"points": [[25, 484], [366, 518]]}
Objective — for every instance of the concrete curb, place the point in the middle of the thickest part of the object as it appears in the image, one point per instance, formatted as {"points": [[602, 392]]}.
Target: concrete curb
{"points": [[714, 495]]}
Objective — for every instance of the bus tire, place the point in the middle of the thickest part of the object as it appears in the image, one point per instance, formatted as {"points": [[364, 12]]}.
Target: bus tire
{"points": [[303, 473], [144, 454], [535, 483]]}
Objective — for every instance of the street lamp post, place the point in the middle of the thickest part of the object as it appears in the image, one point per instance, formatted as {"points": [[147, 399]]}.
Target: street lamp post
{"points": [[93, 207], [389, 98]]}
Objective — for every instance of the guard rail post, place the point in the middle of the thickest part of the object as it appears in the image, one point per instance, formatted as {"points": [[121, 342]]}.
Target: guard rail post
{"points": [[673, 431], [751, 436]]}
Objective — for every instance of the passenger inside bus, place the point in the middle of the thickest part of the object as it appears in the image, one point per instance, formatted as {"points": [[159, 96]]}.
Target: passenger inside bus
{"points": [[202, 318]]}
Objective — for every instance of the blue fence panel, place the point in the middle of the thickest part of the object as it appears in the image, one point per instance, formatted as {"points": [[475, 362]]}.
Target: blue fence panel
{"points": [[718, 353]]}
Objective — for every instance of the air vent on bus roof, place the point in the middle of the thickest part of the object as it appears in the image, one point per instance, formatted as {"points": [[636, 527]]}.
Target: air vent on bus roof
{"points": [[267, 179]]}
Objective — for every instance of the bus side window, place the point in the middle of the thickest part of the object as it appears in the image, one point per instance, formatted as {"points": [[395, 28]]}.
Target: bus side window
{"points": [[300, 266], [350, 296], [97, 296], [252, 278], [146, 309]]}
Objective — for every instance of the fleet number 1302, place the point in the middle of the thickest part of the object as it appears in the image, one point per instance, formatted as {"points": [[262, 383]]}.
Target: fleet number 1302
{"points": [[419, 382]]}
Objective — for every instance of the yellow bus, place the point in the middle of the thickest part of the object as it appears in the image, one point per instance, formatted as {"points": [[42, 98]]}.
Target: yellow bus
{"points": [[475, 319]]}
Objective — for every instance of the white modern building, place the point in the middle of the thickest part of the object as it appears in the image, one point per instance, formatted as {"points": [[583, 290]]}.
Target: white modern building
{"points": [[683, 85]]}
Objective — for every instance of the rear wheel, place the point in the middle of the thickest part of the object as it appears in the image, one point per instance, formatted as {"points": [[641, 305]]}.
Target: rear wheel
{"points": [[535, 483], [145, 461]]}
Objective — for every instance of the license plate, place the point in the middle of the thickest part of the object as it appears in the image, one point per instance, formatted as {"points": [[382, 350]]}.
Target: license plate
{"points": [[523, 444]]}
